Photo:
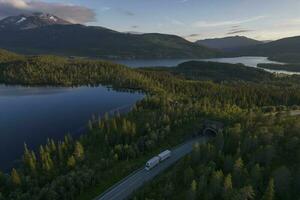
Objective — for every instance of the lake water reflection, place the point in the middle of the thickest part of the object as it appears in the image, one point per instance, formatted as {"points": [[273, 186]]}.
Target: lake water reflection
{"points": [[248, 61], [34, 114]]}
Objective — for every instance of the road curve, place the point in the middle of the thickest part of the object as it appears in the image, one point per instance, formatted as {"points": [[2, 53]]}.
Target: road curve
{"points": [[124, 188]]}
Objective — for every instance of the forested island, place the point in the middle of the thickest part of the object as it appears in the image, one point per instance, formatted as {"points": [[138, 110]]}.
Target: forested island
{"points": [[257, 157], [286, 58], [285, 67]]}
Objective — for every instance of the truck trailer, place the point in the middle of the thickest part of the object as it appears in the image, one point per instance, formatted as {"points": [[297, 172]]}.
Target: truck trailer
{"points": [[164, 155]]}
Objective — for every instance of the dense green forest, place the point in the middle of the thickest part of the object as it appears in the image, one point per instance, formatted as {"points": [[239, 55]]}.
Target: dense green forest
{"points": [[257, 157], [176, 102], [218, 72], [286, 58], [286, 67]]}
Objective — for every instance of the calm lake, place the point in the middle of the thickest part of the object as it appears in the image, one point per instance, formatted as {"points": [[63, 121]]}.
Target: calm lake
{"points": [[33, 114], [248, 61]]}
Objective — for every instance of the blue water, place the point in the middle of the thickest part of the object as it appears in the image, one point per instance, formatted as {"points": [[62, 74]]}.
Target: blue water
{"points": [[248, 61], [31, 115]]}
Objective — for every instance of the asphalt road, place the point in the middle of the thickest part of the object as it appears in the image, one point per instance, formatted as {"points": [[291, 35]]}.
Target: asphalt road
{"points": [[124, 188]]}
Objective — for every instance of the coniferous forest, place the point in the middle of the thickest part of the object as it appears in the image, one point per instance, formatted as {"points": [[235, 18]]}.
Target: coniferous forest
{"points": [[256, 157]]}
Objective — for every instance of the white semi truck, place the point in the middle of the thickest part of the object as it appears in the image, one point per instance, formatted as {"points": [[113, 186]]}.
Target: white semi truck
{"points": [[157, 159]]}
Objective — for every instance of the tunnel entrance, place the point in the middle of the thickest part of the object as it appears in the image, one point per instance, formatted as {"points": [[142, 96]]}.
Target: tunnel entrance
{"points": [[212, 128]]}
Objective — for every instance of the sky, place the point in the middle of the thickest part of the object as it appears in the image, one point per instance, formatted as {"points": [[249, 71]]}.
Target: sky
{"points": [[191, 19]]}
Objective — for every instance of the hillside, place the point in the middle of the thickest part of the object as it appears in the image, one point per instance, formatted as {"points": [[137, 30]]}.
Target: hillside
{"points": [[229, 43], [284, 50], [6, 56], [89, 41]]}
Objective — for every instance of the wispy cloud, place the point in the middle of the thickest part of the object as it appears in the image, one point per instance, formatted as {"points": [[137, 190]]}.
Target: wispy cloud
{"points": [[232, 32], [207, 24], [235, 26], [104, 9], [72, 13], [290, 22], [126, 12], [176, 22], [194, 35]]}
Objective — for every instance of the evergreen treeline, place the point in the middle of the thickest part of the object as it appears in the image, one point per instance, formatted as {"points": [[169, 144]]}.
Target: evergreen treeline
{"points": [[171, 112], [286, 57], [257, 157], [50, 70], [285, 67]]}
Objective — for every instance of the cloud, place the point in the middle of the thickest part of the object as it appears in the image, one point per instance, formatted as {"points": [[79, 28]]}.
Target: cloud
{"points": [[104, 9], [177, 22], [193, 35], [72, 13], [290, 22], [207, 24], [183, 1], [232, 32], [235, 26], [126, 12]]}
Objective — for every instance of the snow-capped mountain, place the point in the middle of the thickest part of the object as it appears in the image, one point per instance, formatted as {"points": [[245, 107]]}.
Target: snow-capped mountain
{"points": [[30, 21]]}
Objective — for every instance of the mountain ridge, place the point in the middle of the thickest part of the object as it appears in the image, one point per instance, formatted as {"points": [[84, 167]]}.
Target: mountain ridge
{"points": [[229, 43], [95, 41]]}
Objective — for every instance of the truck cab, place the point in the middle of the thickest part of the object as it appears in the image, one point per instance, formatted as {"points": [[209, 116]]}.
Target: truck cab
{"points": [[152, 163]]}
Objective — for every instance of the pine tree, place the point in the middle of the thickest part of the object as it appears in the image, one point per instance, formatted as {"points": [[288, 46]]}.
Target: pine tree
{"points": [[270, 191], [124, 126], [29, 159], [114, 124], [238, 170], [227, 191], [15, 177], [188, 175], [228, 183], [46, 160], [193, 190], [60, 153], [78, 151], [247, 193], [71, 162], [52, 145]]}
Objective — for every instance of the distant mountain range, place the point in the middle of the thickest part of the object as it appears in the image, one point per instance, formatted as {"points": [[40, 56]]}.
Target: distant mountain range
{"points": [[41, 33], [289, 45], [283, 50], [229, 43]]}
